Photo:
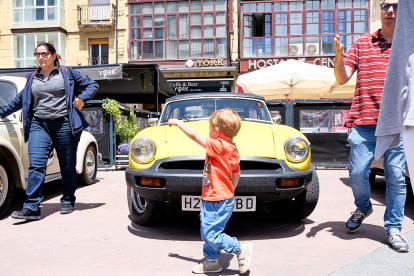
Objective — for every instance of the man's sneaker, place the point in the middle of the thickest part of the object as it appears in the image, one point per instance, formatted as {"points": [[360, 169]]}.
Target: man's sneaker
{"points": [[208, 266], [244, 256], [355, 221], [26, 214], [66, 209], [397, 241]]}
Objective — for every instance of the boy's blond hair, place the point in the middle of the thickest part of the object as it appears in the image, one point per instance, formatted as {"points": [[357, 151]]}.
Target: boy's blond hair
{"points": [[226, 121]]}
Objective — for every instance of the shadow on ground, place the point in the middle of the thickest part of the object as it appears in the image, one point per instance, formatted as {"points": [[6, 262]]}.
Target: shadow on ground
{"points": [[225, 259], [259, 225], [51, 190], [378, 195]]}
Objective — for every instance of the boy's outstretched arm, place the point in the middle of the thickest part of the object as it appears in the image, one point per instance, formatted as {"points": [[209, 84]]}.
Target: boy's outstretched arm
{"points": [[191, 132], [235, 179]]}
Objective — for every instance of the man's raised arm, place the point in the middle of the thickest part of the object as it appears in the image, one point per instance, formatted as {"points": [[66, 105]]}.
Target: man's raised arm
{"points": [[342, 72]]}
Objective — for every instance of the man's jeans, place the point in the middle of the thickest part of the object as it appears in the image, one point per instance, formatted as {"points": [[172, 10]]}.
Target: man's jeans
{"points": [[214, 217], [44, 136], [362, 140]]}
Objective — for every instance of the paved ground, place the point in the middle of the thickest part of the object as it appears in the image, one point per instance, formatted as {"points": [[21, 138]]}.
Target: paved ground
{"points": [[100, 239]]}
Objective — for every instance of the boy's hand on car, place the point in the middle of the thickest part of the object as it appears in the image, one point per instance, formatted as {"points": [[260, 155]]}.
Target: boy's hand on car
{"points": [[173, 122]]}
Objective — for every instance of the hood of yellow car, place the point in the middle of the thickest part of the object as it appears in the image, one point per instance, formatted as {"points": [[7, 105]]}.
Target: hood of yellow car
{"points": [[253, 139]]}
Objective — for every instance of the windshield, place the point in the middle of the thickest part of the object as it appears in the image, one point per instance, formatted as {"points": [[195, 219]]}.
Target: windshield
{"points": [[8, 92], [249, 110]]}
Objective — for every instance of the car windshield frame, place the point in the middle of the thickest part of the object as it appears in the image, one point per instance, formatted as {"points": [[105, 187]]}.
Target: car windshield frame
{"points": [[205, 101]]}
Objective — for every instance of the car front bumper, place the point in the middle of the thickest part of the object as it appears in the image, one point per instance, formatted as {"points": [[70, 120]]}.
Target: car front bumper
{"points": [[262, 183]]}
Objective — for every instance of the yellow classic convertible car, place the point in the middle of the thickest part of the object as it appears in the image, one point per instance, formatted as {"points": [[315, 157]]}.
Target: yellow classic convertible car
{"points": [[167, 166]]}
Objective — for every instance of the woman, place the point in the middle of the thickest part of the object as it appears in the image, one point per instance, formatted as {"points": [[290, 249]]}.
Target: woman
{"points": [[51, 119]]}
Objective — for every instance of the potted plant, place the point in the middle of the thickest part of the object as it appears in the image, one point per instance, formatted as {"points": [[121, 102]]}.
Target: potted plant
{"points": [[126, 128]]}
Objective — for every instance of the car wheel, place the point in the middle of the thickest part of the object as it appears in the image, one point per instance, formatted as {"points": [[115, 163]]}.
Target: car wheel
{"points": [[300, 206], [90, 166], [6, 185], [144, 211]]}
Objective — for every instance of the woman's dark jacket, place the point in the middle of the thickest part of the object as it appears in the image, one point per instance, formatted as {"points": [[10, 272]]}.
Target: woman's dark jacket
{"points": [[24, 100]]}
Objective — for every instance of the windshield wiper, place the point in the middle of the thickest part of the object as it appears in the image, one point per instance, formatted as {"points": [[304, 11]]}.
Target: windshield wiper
{"points": [[166, 121]]}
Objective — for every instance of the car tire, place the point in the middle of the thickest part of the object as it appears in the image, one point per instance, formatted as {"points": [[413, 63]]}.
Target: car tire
{"points": [[90, 166], [298, 207], [144, 211], [6, 185]]}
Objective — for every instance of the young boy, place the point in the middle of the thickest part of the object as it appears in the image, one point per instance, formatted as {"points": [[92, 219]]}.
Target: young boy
{"points": [[220, 177]]}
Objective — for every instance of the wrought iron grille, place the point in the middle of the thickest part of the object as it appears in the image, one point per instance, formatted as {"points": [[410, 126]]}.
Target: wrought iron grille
{"points": [[94, 16]]}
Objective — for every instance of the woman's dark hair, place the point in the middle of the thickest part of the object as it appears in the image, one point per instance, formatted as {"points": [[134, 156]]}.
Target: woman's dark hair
{"points": [[51, 49]]}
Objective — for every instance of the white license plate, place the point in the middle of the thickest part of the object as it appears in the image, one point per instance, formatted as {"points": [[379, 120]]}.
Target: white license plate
{"points": [[241, 203]]}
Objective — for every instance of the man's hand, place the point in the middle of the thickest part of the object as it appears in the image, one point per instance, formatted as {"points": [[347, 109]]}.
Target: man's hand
{"points": [[339, 48], [78, 102]]}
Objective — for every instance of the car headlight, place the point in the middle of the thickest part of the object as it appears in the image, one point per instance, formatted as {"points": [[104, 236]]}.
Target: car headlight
{"points": [[143, 150], [296, 149]]}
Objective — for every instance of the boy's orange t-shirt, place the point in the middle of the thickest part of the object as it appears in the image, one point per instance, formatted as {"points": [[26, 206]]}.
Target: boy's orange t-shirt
{"points": [[222, 159]]}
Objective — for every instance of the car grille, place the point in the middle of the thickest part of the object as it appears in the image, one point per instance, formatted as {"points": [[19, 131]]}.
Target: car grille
{"points": [[245, 165]]}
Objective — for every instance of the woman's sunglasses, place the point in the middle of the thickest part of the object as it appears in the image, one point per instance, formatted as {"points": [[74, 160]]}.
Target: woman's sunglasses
{"points": [[43, 54], [386, 6]]}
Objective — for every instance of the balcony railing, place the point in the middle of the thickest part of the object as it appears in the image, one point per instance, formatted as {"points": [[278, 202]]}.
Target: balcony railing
{"points": [[98, 60], [96, 17]]}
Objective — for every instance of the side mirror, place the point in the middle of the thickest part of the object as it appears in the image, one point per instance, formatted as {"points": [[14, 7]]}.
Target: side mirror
{"points": [[152, 122], [277, 119]]}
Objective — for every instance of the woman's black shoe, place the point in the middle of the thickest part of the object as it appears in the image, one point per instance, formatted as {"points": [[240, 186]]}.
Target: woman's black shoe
{"points": [[26, 214]]}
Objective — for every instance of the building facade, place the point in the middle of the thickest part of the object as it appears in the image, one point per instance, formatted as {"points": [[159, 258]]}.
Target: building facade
{"points": [[273, 31], [193, 41], [83, 33], [200, 45]]}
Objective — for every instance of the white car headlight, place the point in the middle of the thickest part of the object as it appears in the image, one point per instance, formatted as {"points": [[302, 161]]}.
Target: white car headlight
{"points": [[143, 150], [296, 149]]}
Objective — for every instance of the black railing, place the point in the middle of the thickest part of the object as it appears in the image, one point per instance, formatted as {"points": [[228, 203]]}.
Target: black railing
{"points": [[98, 60], [96, 16]]}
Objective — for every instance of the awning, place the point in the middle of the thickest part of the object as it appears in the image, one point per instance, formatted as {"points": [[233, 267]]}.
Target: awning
{"points": [[127, 83]]}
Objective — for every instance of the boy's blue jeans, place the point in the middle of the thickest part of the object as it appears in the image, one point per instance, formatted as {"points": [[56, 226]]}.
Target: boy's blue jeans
{"points": [[214, 217], [362, 140], [45, 134]]}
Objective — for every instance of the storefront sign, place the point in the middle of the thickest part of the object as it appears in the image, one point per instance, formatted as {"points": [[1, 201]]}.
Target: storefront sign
{"points": [[254, 64], [201, 85], [209, 62]]}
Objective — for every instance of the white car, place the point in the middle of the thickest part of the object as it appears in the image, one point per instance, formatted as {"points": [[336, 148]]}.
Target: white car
{"points": [[14, 159]]}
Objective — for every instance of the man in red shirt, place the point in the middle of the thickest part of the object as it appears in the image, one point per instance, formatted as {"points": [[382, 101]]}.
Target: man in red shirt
{"points": [[369, 55]]}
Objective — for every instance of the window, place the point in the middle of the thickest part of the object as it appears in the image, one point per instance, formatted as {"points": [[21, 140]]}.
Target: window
{"points": [[179, 30], [24, 46], [98, 51], [33, 13], [301, 28]]}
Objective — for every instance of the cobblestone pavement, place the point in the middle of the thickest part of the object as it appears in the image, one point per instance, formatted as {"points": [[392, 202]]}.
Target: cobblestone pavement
{"points": [[100, 239]]}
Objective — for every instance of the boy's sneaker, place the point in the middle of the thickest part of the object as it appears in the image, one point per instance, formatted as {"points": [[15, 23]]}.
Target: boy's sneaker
{"points": [[397, 241], [26, 214], [208, 266], [244, 256], [355, 221]]}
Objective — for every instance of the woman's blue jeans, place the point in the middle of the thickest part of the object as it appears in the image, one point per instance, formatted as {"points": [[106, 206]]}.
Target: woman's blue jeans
{"points": [[362, 140], [44, 136], [214, 217]]}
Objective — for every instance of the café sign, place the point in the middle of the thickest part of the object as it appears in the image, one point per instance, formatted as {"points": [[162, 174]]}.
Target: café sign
{"points": [[182, 86], [206, 62]]}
